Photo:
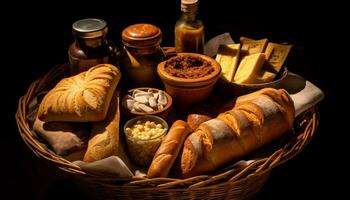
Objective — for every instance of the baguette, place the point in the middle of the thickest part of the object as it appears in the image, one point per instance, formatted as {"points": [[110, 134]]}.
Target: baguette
{"points": [[81, 98], [167, 152], [194, 120], [254, 121]]}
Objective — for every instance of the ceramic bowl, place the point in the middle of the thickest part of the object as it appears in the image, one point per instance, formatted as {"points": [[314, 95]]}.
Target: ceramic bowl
{"points": [[241, 89], [189, 91], [163, 113]]}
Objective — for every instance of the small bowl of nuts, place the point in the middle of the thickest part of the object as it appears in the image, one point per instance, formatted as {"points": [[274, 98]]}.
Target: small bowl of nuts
{"points": [[147, 101], [144, 135]]}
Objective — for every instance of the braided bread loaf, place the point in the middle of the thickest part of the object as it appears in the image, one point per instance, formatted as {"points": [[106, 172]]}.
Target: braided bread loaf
{"points": [[81, 98], [255, 120]]}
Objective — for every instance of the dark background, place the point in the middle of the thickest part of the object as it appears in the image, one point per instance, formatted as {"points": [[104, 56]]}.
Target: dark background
{"points": [[37, 37]]}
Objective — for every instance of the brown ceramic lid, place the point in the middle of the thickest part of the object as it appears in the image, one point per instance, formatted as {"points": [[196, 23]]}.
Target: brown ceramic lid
{"points": [[141, 35]]}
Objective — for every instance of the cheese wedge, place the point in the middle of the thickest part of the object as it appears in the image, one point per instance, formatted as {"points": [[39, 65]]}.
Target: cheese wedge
{"points": [[244, 51], [227, 57], [276, 54], [249, 68], [264, 76], [253, 46]]}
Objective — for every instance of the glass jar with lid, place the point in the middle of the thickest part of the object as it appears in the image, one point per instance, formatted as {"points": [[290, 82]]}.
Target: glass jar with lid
{"points": [[91, 46], [141, 54]]}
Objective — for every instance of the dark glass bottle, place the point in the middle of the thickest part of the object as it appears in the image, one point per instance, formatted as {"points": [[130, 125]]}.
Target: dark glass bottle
{"points": [[91, 46]]}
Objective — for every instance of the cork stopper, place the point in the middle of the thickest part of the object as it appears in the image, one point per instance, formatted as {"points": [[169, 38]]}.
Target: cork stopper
{"points": [[189, 6]]}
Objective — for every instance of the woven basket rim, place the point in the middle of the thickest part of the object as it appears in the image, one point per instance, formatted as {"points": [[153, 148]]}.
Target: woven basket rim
{"points": [[257, 168]]}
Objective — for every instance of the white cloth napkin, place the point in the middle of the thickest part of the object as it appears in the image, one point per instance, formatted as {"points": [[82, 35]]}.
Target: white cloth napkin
{"points": [[304, 94], [212, 46], [112, 166], [307, 98]]}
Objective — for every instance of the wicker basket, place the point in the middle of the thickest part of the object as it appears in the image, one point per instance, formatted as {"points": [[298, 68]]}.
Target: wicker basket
{"points": [[228, 184]]}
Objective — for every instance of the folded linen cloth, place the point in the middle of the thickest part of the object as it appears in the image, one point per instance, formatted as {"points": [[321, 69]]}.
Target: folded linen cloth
{"points": [[112, 166], [304, 94], [212, 46]]}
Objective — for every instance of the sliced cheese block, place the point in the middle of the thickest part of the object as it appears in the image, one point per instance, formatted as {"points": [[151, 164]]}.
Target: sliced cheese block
{"points": [[264, 77], [249, 67], [228, 56], [254, 46], [276, 54], [244, 51]]}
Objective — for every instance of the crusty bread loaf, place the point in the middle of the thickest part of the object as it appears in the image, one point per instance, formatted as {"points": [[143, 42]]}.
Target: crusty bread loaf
{"points": [[104, 137], [255, 121], [194, 120], [168, 150], [231, 104], [81, 98], [105, 140], [212, 136]]}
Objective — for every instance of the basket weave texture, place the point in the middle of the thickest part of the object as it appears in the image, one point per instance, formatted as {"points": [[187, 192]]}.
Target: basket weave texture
{"points": [[229, 183]]}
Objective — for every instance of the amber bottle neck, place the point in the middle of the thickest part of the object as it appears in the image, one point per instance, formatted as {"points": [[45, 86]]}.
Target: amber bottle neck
{"points": [[188, 16]]}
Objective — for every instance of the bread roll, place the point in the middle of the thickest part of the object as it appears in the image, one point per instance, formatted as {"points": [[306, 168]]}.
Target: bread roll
{"points": [[81, 98], [255, 120], [104, 138], [168, 150]]}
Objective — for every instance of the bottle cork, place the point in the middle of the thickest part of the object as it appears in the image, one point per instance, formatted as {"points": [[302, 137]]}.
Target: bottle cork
{"points": [[189, 5]]}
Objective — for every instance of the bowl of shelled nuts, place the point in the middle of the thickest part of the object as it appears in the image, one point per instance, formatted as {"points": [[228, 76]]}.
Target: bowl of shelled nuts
{"points": [[147, 101]]}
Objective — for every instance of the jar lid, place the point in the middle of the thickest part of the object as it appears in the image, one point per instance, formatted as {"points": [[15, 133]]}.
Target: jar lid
{"points": [[141, 35], [89, 28]]}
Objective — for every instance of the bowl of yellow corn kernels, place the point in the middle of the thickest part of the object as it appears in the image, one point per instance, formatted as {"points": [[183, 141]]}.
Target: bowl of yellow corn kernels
{"points": [[143, 136]]}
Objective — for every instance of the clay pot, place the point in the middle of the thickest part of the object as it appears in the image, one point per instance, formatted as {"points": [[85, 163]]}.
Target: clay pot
{"points": [[189, 91]]}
